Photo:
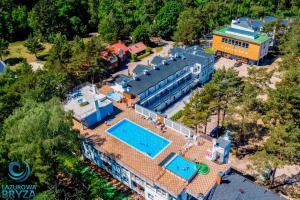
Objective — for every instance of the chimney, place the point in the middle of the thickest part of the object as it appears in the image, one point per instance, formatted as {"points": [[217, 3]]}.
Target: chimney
{"points": [[94, 89], [219, 178], [96, 102]]}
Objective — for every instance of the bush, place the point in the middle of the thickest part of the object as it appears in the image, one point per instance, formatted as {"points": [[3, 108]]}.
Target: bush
{"points": [[144, 55], [134, 57], [148, 50], [177, 116]]}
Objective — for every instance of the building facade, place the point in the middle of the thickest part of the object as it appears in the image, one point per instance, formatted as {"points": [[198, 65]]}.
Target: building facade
{"points": [[88, 106], [172, 78], [241, 42]]}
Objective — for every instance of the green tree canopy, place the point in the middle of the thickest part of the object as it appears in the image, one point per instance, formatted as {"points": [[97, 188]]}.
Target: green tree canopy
{"points": [[166, 18], [191, 26], [141, 34], [40, 134], [3, 48], [33, 45]]}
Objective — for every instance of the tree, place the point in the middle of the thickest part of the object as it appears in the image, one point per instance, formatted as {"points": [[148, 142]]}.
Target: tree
{"points": [[198, 110], [42, 138], [191, 26], [110, 27], [141, 34], [3, 48], [167, 17], [282, 147], [33, 45]]}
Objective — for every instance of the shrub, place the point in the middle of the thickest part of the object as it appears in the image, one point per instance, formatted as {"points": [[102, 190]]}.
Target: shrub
{"points": [[177, 116], [134, 57]]}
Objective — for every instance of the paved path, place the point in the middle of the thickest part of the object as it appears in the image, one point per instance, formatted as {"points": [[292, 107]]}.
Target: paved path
{"points": [[179, 105]]}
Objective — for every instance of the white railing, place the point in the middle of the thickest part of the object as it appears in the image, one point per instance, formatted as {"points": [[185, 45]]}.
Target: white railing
{"points": [[169, 123], [178, 127], [146, 112]]}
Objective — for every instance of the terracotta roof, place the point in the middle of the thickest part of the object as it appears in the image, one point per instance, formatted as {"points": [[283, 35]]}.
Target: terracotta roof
{"points": [[148, 168], [117, 46], [137, 48]]}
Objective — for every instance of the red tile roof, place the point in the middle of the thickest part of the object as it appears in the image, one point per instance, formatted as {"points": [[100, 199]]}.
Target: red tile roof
{"points": [[117, 46], [137, 48]]}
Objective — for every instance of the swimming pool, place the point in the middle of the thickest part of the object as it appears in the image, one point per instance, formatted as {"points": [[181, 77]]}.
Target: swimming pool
{"points": [[139, 138], [115, 96], [182, 167]]}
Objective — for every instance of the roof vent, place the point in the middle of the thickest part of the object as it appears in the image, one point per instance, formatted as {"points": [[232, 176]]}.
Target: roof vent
{"points": [[146, 72], [155, 67], [136, 78], [177, 55], [164, 62], [173, 58], [194, 52], [124, 84], [183, 57], [241, 190]]}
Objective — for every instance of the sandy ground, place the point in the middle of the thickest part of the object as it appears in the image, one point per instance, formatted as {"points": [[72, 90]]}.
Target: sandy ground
{"points": [[35, 66]]}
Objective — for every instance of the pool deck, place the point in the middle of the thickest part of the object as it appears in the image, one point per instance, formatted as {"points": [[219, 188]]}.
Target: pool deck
{"points": [[148, 168]]}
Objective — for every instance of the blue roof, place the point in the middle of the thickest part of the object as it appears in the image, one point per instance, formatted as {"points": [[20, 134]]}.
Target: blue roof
{"points": [[157, 60], [268, 19], [248, 33], [2, 66], [235, 186], [182, 167], [138, 70]]}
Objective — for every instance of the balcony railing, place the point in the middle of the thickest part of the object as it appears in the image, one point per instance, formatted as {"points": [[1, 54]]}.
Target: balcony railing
{"points": [[165, 87], [169, 94]]}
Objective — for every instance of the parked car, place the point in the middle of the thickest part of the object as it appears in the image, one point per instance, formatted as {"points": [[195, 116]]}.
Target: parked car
{"points": [[237, 64], [217, 131]]}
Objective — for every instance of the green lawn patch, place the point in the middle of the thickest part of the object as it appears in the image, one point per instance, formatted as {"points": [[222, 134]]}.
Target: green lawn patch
{"points": [[18, 52], [209, 50], [144, 55]]}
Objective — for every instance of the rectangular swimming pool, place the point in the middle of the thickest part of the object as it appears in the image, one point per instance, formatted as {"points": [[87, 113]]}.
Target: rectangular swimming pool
{"points": [[138, 137], [182, 167]]}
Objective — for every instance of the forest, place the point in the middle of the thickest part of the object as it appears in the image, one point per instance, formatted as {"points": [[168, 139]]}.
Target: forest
{"points": [[120, 19]]}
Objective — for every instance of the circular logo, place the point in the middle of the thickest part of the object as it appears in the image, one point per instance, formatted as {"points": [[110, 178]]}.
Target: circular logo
{"points": [[14, 173]]}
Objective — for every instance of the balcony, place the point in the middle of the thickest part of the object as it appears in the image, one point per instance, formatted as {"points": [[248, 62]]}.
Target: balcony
{"points": [[155, 102], [160, 91]]}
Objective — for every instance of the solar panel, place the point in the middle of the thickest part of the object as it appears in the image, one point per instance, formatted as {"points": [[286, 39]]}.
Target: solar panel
{"points": [[242, 32]]}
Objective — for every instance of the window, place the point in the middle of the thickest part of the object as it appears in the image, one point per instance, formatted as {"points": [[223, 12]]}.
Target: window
{"points": [[150, 196], [223, 39], [226, 40], [240, 44], [243, 45], [247, 46], [161, 192]]}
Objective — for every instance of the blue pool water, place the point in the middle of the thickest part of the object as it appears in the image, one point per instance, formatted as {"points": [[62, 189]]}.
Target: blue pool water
{"points": [[114, 96], [138, 137], [182, 167]]}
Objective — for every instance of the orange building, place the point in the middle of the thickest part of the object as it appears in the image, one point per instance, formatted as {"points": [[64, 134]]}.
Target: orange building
{"points": [[241, 43]]}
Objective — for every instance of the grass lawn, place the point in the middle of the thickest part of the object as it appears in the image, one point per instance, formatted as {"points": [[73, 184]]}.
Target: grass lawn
{"points": [[17, 52], [158, 49], [209, 50]]}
